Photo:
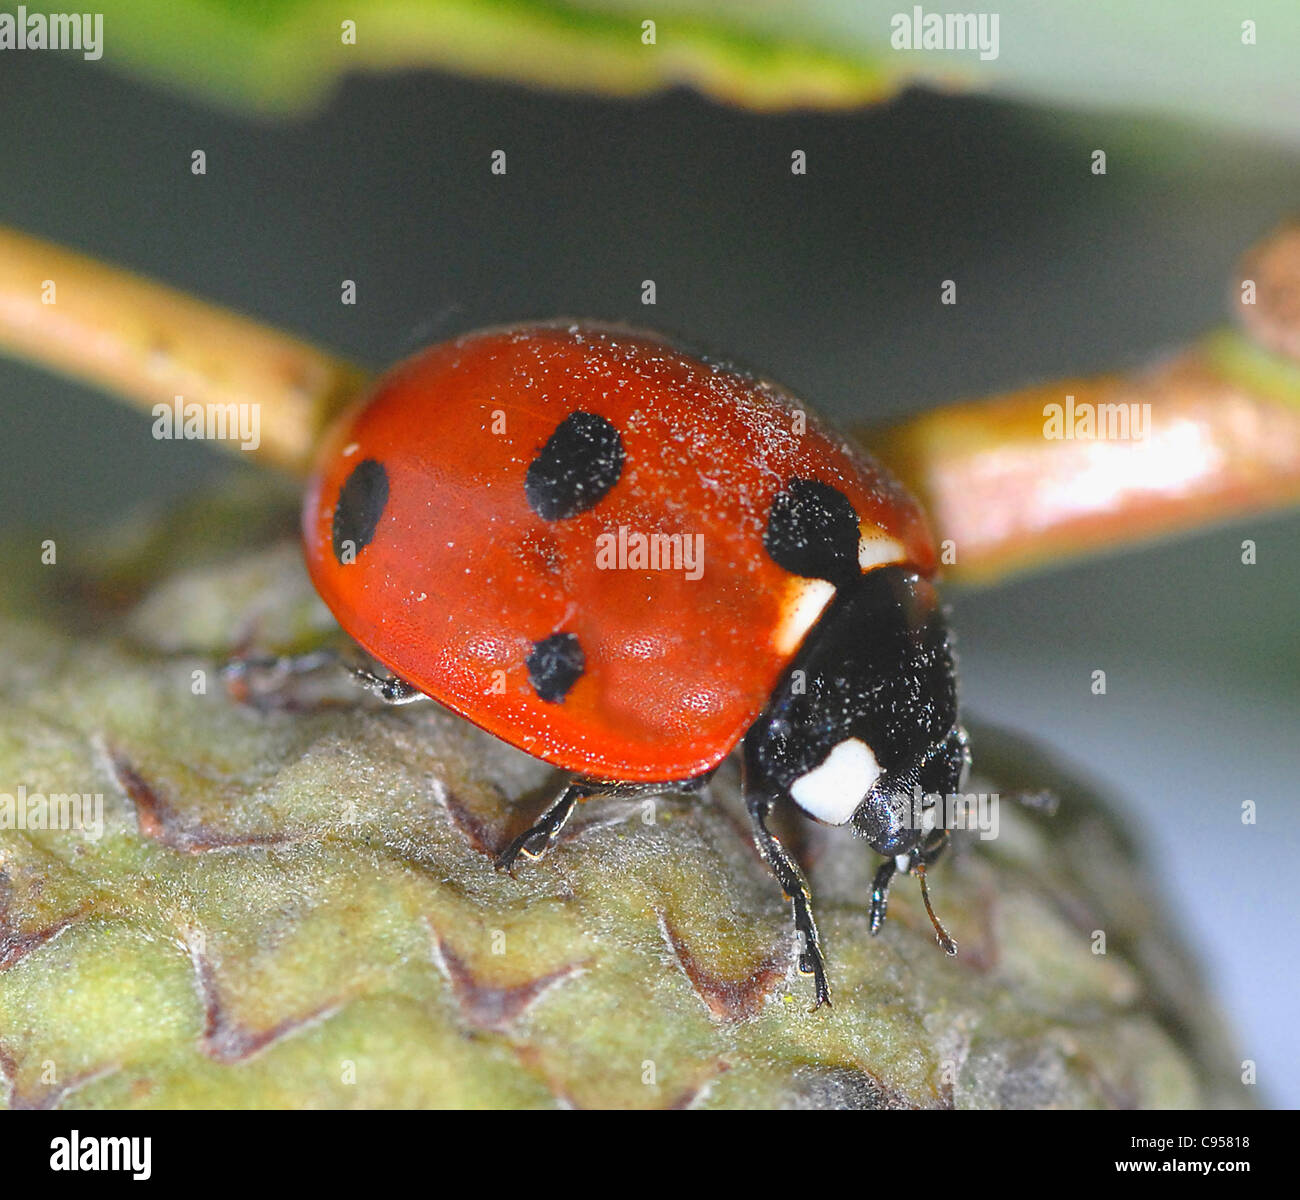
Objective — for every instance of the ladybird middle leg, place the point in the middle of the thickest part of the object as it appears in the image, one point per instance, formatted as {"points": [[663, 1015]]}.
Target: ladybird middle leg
{"points": [[542, 834], [538, 838]]}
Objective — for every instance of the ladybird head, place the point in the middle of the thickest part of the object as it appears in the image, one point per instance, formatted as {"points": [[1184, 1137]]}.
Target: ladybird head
{"points": [[862, 730]]}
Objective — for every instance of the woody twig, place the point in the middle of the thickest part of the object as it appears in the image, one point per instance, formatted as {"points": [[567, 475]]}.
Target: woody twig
{"points": [[1077, 466], [147, 344], [1012, 482]]}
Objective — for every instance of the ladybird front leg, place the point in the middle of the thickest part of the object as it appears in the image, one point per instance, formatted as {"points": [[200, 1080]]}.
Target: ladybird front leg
{"points": [[880, 893], [796, 891], [916, 862]]}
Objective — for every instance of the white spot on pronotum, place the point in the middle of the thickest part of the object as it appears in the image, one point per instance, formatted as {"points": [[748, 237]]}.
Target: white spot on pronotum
{"points": [[876, 549], [831, 791], [350, 449], [803, 605]]}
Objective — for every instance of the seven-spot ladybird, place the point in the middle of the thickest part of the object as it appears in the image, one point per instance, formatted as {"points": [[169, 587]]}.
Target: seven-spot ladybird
{"points": [[628, 562]]}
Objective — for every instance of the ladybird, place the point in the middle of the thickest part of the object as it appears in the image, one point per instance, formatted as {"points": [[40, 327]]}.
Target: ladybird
{"points": [[631, 562]]}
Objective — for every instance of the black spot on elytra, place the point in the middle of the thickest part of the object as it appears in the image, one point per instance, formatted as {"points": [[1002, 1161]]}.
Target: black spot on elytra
{"points": [[555, 665], [580, 462], [360, 504], [812, 531]]}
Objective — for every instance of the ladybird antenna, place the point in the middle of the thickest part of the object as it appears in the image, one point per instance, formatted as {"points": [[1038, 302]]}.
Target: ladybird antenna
{"points": [[940, 933]]}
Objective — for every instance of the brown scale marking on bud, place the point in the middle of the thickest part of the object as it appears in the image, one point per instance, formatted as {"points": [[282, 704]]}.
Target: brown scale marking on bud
{"points": [[726, 999], [45, 1098], [487, 1006], [16, 944], [532, 1060], [159, 821], [225, 1040], [481, 835]]}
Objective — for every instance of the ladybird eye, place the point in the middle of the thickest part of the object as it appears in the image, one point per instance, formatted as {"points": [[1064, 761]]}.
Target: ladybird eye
{"points": [[580, 462]]}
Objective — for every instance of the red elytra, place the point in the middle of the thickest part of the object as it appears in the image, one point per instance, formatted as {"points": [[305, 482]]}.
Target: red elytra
{"points": [[461, 577]]}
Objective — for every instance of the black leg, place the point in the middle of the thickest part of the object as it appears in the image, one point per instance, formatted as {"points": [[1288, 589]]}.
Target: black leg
{"points": [[536, 840], [280, 680], [917, 861], [388, 688], [880, 893], [541, 836], [792, 884]]}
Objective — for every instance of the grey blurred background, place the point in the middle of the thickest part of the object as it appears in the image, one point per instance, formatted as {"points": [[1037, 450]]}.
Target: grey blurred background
{"points": [[828, 281]]}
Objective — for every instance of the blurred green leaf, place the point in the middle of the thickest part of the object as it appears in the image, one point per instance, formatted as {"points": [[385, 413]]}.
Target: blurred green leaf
{"points": [[1184, 58]]}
